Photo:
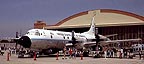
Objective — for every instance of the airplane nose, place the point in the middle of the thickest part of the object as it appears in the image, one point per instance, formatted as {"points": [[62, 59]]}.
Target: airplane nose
{"points": [[25, 41]]}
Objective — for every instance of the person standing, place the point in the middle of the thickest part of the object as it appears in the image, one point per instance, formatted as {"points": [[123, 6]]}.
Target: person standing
{"points": [[74, 53], [139, 54], [70, 53], [121, 53], [0, 50], [105, 52], [64, 51]]}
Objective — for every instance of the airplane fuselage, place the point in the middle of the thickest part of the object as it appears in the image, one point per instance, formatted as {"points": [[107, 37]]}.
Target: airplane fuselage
{"points": [[45, 39]]}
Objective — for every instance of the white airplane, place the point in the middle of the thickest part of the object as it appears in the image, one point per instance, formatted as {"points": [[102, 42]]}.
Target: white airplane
{"points": [[50, 41]]}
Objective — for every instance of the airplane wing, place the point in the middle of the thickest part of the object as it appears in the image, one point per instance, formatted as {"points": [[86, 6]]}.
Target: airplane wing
{"points": [[107, 42], [85, 44], [111, 35], [125, 40], [118, 41]]}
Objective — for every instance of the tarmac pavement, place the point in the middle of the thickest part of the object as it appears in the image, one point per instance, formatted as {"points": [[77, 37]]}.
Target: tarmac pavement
{"points": [[52, 60]]}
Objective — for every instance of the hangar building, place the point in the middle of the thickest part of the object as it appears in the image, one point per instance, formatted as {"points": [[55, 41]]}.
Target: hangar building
{"points": [[127, 25]]}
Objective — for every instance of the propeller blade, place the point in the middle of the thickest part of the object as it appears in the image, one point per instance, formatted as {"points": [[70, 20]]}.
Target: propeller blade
{"points": [[97, 38], [96, 31], [16, 40], [16, 45], [73, 39]]}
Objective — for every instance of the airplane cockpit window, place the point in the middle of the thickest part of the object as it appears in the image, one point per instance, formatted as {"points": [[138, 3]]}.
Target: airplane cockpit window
{"points": [[37, 33], [27, 33]]}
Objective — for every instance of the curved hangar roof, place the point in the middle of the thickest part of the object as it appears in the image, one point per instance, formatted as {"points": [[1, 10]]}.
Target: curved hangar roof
{"points": [[104, 17]]}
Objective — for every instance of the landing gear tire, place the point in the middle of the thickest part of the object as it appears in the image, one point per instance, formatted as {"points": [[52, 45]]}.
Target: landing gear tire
{"points": [[31, 55], [86, 54], [97, 56], [20, 55]]}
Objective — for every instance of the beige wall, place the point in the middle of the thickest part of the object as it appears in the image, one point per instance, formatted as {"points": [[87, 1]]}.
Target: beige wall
{"points": [[102, 19]]}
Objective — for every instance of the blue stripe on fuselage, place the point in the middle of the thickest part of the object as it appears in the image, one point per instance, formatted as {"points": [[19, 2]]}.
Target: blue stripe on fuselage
{"points": [[49, 39]]}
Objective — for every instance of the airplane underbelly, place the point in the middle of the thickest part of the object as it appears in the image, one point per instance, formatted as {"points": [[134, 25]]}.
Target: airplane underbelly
{"points": [[79, 46], [46, 44]]}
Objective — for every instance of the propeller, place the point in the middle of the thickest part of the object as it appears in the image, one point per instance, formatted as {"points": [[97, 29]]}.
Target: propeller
{"points": [[16, 40], [73, 40], [97, 38]]}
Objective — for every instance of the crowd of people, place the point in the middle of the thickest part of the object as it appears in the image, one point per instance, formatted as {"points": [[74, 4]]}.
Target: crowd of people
{"points": [[73, 52], [112, 52], [11, 50]]}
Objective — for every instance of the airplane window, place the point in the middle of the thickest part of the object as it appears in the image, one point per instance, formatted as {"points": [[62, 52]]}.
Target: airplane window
{"points": [[136, 48], [51, 36], [27, 33], [67, 37], [51, 33], [139, 49], [37, 33], [133, 49]]}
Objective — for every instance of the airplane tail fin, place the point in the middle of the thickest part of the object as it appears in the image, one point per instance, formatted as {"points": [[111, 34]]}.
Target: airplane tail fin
{"points": [[91, 31]]}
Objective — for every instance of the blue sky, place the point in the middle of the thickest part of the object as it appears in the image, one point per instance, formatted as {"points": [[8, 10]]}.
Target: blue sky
{"points": [[19, 15]]}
